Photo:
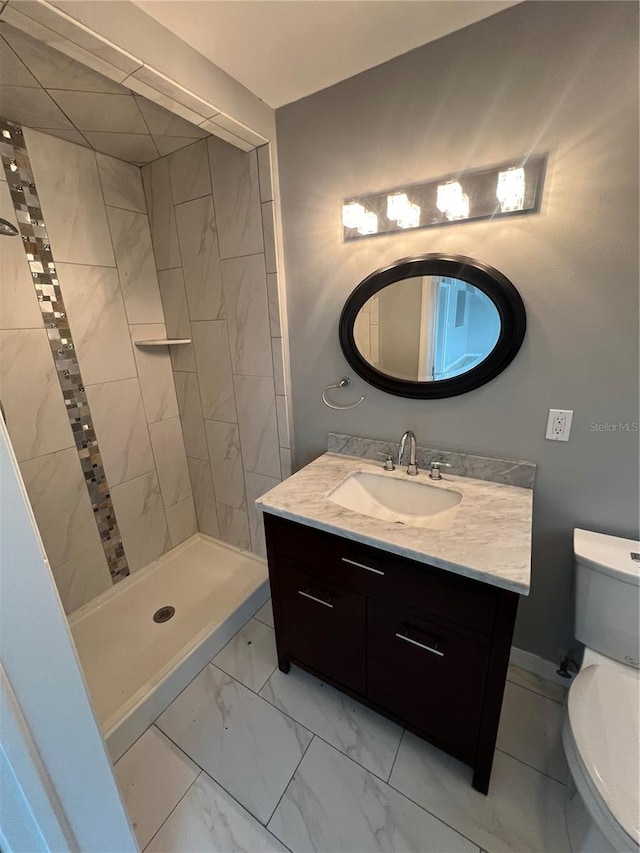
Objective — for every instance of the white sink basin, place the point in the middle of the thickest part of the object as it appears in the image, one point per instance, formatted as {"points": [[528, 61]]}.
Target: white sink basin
{"points": [[408, 501]]}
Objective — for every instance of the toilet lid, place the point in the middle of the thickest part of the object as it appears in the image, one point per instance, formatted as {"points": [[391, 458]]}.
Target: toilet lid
{"points": [[605, 722]]}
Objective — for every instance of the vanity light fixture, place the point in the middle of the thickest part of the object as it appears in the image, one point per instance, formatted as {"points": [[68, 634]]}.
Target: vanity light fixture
{"points": [[510, 189]]}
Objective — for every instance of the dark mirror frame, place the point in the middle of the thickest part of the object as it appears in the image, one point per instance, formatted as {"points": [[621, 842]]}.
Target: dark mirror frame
{"points": [[505, 297]]}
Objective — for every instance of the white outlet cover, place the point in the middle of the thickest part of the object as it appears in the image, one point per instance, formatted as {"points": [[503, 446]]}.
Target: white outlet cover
{"points": [[559, 424]]}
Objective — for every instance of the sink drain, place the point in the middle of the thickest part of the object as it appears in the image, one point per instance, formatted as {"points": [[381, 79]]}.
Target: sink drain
{"points": [[163, 614]]}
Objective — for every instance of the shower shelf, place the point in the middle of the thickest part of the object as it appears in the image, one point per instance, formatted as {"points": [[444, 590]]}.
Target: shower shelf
{"points": [[163, 342]]}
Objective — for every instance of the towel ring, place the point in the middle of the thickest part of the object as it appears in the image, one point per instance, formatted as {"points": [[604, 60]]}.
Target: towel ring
{"points": [[342, 384]]}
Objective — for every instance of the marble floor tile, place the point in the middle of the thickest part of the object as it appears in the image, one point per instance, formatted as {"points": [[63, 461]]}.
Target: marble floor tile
{"points": [[58, 495], [162, 218], [531, 730], [366, 737], [243, 742], [153, 775], [121, 184], [245, 297], [257, 485], [136, 265], [523, 811], [98, 322], [265, 614], [208, 819], [142, 520], [198, 240], [203, 496], [256, 404], [211, 347], [155, 374], [171, 460], [121, 428], [250, 657], [333, 804], [234, 526], [71, 196], [234, 176], [534, 682], [182, 521], [189, 173], [188, 394], [34, 407], [223, 441]]}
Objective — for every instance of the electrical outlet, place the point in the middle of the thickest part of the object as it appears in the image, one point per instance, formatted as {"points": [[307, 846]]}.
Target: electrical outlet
{"points": [[559, 424]]}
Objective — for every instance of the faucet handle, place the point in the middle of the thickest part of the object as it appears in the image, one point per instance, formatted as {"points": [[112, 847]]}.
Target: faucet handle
{"points": [[436, 465], [388, 461]]}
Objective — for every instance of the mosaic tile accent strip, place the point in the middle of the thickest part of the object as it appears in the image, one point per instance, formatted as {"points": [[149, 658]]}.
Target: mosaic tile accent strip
{"points": [[33, 231]]}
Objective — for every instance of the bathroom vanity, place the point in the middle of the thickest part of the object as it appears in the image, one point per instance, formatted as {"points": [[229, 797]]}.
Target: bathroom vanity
{"points": [[413, 621]]}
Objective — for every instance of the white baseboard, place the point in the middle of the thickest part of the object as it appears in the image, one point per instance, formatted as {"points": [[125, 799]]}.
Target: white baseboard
{"points": [[537, 665]]}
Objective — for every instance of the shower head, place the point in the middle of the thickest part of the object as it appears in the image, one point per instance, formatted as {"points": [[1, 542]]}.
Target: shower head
{"points": [[7, 229]]}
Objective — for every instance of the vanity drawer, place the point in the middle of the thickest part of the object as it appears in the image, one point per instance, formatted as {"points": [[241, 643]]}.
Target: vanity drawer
{"points": [[374, 573], [323, 626], [429, 676]]}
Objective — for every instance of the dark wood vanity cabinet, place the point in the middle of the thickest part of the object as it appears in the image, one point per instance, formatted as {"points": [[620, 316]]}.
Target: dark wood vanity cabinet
{"points": [[425, 647]]}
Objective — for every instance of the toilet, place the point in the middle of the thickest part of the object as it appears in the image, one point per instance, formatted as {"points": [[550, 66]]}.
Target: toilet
{"points": [[601, 729]]}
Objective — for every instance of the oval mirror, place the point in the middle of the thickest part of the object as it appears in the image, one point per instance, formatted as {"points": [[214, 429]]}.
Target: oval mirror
{"points": [[432, 326]]}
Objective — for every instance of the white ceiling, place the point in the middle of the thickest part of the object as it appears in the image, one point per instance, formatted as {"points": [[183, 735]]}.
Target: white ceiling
{"points": [[283, 50]]}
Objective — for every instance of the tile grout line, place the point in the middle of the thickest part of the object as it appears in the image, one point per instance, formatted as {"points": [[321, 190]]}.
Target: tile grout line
{"points": [[287, 786], [531, 767], [539, 692], [175, 807], [393, 763]]}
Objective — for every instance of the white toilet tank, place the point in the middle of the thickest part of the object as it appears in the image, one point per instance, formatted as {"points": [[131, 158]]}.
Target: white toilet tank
{"points": [[608, 595]]}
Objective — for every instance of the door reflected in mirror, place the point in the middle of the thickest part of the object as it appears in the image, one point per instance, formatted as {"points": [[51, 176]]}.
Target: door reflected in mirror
{"points": [[427, 328]]}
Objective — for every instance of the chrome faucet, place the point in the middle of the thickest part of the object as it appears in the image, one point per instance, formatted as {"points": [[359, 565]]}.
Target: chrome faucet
{"points": [[412, 467]]}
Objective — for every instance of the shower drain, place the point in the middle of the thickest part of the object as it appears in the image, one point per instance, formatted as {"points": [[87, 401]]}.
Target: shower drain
{"points": [[163, 614]]}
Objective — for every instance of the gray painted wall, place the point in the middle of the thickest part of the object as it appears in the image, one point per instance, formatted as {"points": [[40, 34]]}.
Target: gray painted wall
{"points": [[541, 77]]}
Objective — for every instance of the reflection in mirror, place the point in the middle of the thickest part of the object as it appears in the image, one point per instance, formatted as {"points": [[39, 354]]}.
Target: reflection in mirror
{"points": [[427, 328]]}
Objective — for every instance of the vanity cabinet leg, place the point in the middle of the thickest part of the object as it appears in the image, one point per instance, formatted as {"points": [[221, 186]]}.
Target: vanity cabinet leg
{"points": [[284, 665]]}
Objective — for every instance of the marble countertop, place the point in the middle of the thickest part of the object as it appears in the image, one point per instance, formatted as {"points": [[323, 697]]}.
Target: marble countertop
{"points": [[489, 539]]}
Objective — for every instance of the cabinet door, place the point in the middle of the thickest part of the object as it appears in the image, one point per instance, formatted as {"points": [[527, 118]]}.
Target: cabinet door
{"points": [[323, 626], [429, 676]]}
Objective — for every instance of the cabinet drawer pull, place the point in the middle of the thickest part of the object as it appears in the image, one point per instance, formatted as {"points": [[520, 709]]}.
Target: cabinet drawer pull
{"points": [[420, 645], [313, 598], [362, 566]]}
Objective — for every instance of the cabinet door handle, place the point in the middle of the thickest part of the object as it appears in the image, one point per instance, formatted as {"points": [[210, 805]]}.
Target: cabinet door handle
{"points": [[318, 600], [420, 645], [362, 566]]}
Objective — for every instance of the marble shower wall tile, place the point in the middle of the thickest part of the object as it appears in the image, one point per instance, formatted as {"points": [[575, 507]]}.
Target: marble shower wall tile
{"points": [[200, 259], [234, 526], [121, 427], [19, 307], [245, 296], [211, 347], [188, 393], [155, 374], [98, 322], [71, 198], [278, 366], [121, 184], [264, 174], [171, 460], [36, 415], [256, 485], [258, 425], [223, 441], [365, 813], [58, 494], [157, 188], [283, 422], [274, 305], [182, 521], [511, 473], [136, 265], [268, 230], [285, 461], [81, 578], [216, 719], [189, 172], [203, 496], [176, 317], [142, 520], [236, 190]]}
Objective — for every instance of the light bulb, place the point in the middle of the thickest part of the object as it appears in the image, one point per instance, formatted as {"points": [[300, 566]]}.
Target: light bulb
{"points": [[452, 201], [369, 223], [352, 214], [403, 211], [510, 191]]}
